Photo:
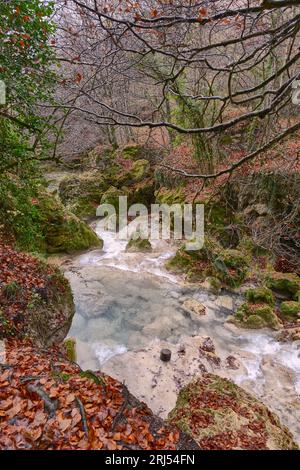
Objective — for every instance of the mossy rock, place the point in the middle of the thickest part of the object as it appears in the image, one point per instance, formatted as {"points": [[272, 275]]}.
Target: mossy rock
{"points": [[260, 295], [139, 171], [290, 310], [287, 284], [220, 415], [63, 231], [231, 267], [70, 348], [138, 244], [112, 195], [227, 265], [143, 193], [254, 322], [82, 193], [251, 315]]}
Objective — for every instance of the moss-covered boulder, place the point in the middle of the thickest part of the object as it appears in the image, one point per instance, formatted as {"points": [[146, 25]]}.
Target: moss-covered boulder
{"points": [[220, 415], [82, 193], [287, 284], [137, 171], [227, 265], [290, 310], [63, 231], [231, 267], [112, 195], [260, 295], [255, 316], [143, 193], [138, 244]]}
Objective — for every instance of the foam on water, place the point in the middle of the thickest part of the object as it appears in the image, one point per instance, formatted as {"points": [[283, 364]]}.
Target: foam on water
{"points": [[104, 352]]}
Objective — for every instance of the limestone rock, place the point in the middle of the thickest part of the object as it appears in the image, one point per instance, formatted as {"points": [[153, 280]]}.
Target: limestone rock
{"points": [[193, 306]]}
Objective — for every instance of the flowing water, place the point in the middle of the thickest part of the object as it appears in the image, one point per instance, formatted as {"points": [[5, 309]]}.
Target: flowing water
{"points": [[128, 307]]}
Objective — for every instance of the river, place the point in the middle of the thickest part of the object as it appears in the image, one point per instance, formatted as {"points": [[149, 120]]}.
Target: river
{"points": [[128, 307]]}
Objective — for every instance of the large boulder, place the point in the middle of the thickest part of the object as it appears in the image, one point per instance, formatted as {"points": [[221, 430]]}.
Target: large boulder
{"points": [[63, 231], [286, 284], [219, 415]]}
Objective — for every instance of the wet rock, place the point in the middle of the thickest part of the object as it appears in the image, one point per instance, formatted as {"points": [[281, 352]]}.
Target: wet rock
{"points": [[193, 306], [232, 363], [226, 302], [289, 334], [208, 345]]}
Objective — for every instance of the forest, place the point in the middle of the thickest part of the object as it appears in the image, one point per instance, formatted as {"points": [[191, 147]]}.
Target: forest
{"points": [[143, 327]]}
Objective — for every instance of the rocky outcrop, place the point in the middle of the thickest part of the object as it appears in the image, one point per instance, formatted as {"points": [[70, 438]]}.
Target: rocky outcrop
{"points": [[120, 174], [219, 415]]}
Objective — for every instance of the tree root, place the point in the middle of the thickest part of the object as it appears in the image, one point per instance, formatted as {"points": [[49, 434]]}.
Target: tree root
{"points": [[50, 405], [122, 409], [83, 416]]}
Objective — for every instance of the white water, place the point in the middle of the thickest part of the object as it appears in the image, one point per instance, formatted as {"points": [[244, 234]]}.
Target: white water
{"points": [[127, 301]]}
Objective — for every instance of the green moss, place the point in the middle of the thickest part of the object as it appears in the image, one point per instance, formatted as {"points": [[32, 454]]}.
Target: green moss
{"points": [[231, 267], [82, 193], [70, 348], [133, 152], [88, 374], [257, 316], [290, 310], [285, 283], [138, 244], [254, 321], [111, 196], [139, 171], [260, 295], [228, 266]]}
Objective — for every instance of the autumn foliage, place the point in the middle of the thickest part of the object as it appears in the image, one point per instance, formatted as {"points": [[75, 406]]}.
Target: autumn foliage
{"points": [[79, 410]]}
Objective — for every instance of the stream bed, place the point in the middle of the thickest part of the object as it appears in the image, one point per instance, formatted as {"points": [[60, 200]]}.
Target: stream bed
{"points": [[128, 307]]}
